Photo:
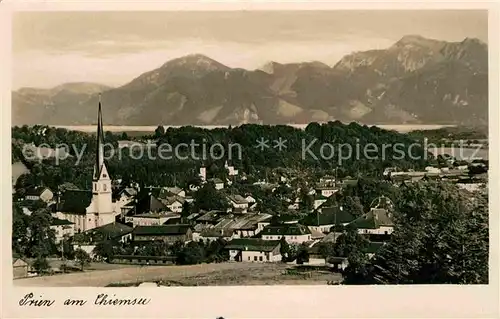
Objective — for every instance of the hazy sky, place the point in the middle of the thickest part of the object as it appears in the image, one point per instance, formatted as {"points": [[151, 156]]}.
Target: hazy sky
{"points": [[50, 48]]}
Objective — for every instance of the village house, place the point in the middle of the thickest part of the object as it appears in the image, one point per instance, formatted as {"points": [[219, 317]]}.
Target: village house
{"points": [[210, 218], [20, 268], [39, 193], [242, 226], [63, 228], [166, 233], [254, 250], [213, 234], [324, 220], [218, 183], [124, 196], [146, 202], [377, 221], [230, 169], [152, 219], [176, 191], [238, 202], [173, 203], [319, 199], [326, 190], [114, 232], [252, 203], [293, 233]]}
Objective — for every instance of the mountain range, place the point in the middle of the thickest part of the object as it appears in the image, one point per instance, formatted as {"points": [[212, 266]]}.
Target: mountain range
{"points": [[414, 81]]}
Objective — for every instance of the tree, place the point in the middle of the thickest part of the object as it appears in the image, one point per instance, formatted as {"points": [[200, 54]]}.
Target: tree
{"points": [[350, 242], [41, 265], [352, 204], [193, 253], [440, 237], [82, 258], [160, 131], [104, 249], [215, 252], [326, 249], [19, 233], [208, 198], [67, 249], [284, 250], [302, 254], [186, 209], [41, 238], [124, 136]]}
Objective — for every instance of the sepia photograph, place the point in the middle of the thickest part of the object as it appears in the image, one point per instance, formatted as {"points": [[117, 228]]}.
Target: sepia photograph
{"points": [[249, 148]]}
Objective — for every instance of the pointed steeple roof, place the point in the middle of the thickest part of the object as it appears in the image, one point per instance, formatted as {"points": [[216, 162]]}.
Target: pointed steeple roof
{"points": [[99, 163]]}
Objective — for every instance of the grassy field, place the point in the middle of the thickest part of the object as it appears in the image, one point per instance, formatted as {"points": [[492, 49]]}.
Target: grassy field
{"points": [[193, 275]]}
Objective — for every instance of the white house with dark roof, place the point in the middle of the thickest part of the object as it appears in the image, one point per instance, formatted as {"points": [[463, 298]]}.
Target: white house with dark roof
{"points": [[63, 228], [326, 191], [324, 220], [177, 191], [39, 193], [293, 233], [238, 202], [173, 203], [219, 184], [378, 221], [254, 250]]}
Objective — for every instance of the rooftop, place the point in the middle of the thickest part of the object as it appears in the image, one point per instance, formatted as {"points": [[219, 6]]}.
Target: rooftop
{"points": [[374, 219], [74, 201], [161, 230], [332, 215], [105, 232], [253, 244], [286, 229]]}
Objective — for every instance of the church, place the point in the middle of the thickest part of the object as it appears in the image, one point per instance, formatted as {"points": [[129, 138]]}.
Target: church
{"points": [[89, 209]]}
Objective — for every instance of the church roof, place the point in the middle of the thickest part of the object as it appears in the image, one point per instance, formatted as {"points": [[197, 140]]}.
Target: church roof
{"points": [[74, 201]]}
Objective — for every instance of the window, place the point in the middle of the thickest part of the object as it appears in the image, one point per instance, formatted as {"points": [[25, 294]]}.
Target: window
{"points": [[267, 256], [104, 187], [254, 258], [386, 232], [248, 257], [260, 258]]}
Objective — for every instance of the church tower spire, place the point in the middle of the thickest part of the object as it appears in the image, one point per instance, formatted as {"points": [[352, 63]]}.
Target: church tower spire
{"points": [[99, 162], [101, 212]]}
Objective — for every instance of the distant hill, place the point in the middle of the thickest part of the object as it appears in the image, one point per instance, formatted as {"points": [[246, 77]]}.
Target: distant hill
{"points": [[416, 80]]}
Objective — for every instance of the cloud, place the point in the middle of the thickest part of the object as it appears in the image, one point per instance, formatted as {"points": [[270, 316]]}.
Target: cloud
{"points": [[50, 48]]}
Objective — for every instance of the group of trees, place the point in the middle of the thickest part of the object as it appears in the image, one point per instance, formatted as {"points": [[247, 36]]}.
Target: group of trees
{"points": [[440, 236], [163, 172], [32, 237]]}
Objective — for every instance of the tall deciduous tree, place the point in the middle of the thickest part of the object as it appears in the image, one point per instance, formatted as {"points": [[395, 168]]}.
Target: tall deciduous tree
{"points": [[82, 258]]}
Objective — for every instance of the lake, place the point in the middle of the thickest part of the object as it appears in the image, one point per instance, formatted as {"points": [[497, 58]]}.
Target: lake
{"points": [[461, 153]]}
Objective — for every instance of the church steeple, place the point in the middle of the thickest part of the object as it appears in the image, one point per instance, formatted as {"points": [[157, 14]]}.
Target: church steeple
{"points": [[99, 163], [101, 211]]}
